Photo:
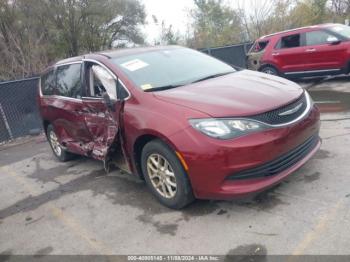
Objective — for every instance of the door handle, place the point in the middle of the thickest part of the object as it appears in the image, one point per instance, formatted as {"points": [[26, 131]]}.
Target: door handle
{"points": [[275, 54], [310, 50]]}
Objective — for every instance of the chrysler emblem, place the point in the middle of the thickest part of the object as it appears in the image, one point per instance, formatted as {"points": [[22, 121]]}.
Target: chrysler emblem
{"points": [[291, 111]]}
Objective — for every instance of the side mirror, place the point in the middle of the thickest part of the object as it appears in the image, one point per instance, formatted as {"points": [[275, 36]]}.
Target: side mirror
{"points": [[110, 102], [332, 40], [335, 42]]}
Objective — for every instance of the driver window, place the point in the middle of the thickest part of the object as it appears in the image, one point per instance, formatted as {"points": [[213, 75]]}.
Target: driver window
{"points": [[101, 81]]}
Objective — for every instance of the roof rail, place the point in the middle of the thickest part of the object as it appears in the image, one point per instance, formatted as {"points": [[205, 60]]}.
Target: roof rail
{"points": [[292, 30]]}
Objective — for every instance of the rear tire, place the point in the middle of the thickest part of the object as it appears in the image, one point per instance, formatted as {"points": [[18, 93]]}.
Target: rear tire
{"points": [[270, 70], [61, 154], [165, 175]]}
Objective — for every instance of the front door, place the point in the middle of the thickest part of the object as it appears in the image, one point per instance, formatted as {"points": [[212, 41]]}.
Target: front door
{"points": [[323, 52], [101, 120]]}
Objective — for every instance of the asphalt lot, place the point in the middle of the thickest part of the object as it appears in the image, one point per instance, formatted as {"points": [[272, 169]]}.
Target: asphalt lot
{"points": [[49, 207]]}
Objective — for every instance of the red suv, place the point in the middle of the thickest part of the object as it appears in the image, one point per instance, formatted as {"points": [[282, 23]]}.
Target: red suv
{"points": [[191, 126], [310, 51]]}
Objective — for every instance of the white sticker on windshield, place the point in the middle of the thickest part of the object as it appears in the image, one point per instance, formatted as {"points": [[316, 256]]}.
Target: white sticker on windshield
{"points": [[134, 65], [146, 86]]}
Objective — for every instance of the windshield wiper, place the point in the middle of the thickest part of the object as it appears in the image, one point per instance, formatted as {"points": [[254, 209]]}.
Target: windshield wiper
{"points": [[160, 88], [211, 76]]}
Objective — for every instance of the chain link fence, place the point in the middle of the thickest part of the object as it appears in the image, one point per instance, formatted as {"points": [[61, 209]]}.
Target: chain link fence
{"points": [[19, 115]]}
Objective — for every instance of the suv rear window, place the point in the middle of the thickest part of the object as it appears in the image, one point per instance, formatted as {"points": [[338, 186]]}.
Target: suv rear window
{"points": [[289, 41], [48, 83], [259, 46], [69, 80]]}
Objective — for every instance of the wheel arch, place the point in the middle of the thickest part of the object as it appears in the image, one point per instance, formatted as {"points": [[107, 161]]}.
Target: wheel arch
{"points": [[267, 65], [46, 124], [140, 142]]}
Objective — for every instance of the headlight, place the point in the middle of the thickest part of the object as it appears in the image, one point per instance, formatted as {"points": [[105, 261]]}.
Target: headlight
{"points": [[227, 128]]}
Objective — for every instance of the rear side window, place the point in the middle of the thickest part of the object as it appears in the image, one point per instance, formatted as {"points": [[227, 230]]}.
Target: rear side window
{"points": [[69, 80], [48, 83], [289, 41], [259, 46]]}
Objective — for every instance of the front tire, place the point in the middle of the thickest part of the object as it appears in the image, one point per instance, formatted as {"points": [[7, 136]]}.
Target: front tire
{"points": [[165, 175], [61, 154]]}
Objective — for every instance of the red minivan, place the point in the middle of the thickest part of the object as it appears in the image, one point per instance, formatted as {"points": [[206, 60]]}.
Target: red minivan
{"points": [[303, 52], [188, 124]]}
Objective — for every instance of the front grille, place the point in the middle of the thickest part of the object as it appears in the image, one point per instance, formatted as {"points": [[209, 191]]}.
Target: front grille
{"points": [[274, 118], [280, 164]]}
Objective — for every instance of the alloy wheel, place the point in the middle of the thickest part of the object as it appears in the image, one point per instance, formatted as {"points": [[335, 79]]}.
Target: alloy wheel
{"points": [[161, 175], [55, 144]]}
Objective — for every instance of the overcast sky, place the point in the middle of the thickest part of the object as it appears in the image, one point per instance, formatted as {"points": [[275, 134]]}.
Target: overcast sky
{"points": [[175, 12]]}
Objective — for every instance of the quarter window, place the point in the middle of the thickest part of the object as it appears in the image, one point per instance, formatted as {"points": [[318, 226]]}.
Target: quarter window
{"points": [[69, 80], [290, 41], [48, 83], [259, 46]]}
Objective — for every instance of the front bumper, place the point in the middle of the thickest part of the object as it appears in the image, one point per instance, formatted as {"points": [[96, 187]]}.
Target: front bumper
{"points": [[226, 169], [279, 164], [243, 187]]}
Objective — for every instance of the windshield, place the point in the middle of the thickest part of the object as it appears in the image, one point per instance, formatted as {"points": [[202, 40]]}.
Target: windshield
{"points": [[342, 30], [163, 69]]}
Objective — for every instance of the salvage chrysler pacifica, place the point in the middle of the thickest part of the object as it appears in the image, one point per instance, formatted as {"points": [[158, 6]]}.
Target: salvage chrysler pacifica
{"points": [[189, 125]]}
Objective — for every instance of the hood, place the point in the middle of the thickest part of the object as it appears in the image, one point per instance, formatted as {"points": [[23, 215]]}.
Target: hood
{"points": [[242, 93]]}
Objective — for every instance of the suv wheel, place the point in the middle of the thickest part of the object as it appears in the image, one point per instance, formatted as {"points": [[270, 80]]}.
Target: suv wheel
{"points": [[165, 176], [61, 154], [269, 70]]}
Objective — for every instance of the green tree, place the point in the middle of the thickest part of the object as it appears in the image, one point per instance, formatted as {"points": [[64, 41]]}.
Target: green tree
{"points": [[34, 33], [24, 43], [281, 15], [167, 36], [319, 11], [215, 24], [91, 25]]}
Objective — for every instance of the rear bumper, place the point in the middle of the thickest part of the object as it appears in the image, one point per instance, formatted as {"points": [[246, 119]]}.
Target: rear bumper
{"points": [[215, 165]]}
